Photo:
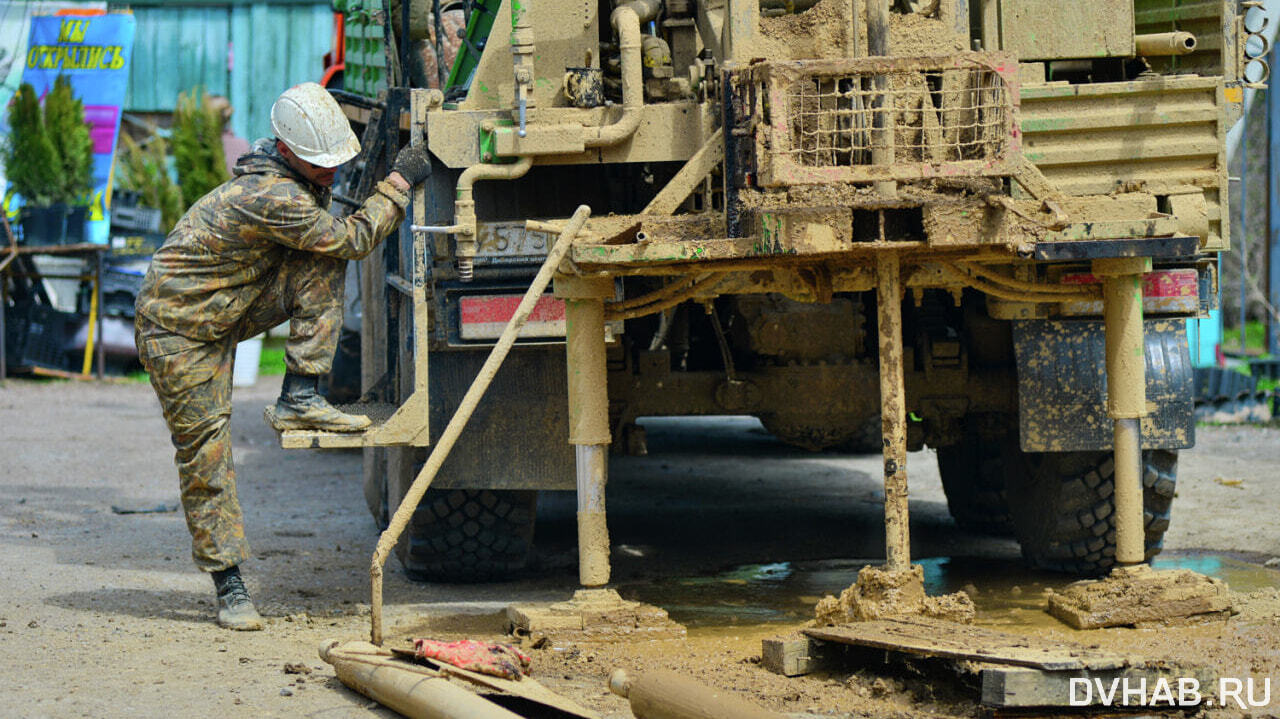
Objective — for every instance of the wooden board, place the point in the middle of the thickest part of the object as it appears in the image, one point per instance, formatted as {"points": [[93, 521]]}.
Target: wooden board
{"points": [[792, 655], [1023, 687], [315, 439], [934, 638]]}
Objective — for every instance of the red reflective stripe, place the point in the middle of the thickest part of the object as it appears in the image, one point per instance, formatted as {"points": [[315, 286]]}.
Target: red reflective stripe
{"points": [[500, 308], [1161, 283]]}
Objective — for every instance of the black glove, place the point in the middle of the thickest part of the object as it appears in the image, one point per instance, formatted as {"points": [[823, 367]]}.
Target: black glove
{"points": [[413, 164]]}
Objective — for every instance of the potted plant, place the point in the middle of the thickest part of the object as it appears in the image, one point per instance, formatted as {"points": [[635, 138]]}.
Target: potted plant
{"points": [[197, 145], [48, 160], [142, 168], [32, 166], [69, 133]]}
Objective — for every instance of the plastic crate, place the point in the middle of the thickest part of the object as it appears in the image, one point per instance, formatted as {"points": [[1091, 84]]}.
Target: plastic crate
{"points": [[143, 244], [121, 283], [36, 336], [132, 219], [365, 51]]}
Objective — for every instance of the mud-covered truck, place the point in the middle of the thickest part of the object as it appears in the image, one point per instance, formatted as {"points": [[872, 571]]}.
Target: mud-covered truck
{"points": [[972, 225]]}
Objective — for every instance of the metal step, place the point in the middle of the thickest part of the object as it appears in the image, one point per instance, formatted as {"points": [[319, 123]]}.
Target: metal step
{"points": [[378, 412]]}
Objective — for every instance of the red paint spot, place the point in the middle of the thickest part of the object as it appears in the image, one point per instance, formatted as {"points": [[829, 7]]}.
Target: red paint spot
{"points": [[1161, 283], [500, 308]]}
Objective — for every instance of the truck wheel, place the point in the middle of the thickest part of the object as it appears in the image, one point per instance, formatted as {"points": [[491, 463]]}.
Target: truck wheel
{"points": [[469, 535], [845, 433], [1063, 506], [973, 477], [867, 439]]}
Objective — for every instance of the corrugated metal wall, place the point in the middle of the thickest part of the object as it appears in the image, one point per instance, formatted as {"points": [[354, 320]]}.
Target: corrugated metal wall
{"points": [[1160, 134], [247, 52]]}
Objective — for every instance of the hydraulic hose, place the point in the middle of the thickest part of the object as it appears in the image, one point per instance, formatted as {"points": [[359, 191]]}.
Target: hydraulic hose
{"points": [[1014, 294], [1015, 284], [667, 301]]}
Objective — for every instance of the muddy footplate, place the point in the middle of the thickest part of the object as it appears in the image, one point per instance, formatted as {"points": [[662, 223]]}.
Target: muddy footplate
{"points": [[377, 412]]}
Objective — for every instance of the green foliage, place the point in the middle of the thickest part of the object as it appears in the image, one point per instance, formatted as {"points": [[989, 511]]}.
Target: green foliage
{"points": [[1255, 338], [197, 145], [271, 361], [69, 133], [143, 168], [31, 159]]}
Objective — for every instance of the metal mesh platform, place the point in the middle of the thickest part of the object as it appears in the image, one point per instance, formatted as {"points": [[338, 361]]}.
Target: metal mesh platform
{"points": [[942, 116], [377, 412], [869, 119]]}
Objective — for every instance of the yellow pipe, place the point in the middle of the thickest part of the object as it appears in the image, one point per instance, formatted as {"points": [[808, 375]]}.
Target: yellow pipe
{"points": [[1161, 44], [464, 207], [585, 354], [93, 326], [893, 412], [626, 22], [1126, 364], [409, 689]]}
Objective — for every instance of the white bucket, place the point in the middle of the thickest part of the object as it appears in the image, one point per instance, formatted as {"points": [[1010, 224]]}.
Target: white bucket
{"points": [[248, 353]]}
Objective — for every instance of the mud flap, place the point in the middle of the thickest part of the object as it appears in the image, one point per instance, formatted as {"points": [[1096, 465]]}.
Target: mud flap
{"points": [[1062, 386]]}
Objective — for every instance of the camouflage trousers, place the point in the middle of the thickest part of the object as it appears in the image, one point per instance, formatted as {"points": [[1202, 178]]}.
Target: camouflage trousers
{"points": [[192, 379]]}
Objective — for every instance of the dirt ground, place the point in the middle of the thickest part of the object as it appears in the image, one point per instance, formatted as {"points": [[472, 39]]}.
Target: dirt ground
{"points": [[103, 615]]}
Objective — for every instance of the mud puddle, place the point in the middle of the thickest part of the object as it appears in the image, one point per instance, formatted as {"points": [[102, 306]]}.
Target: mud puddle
{"points": [[1006, 594], [763, 597]]}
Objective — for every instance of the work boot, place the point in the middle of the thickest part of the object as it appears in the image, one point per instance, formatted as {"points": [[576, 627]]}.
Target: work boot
{"points": [[301, 406], [235, 608]]}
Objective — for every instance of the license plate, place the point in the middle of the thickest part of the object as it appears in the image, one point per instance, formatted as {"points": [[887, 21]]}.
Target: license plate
{"points": [[501, 243], [484, 317]]}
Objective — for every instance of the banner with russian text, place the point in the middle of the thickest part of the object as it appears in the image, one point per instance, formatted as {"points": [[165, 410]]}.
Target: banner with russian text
{"points": [[93, 51]]}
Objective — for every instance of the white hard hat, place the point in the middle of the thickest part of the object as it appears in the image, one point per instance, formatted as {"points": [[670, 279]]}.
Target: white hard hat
{"points": [[308, 120]]}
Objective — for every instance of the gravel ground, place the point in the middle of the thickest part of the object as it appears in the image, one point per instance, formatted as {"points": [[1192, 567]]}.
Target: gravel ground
{"points": [[103, 615]]}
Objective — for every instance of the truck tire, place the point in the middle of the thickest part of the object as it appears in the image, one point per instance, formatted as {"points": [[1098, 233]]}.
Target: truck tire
{"points": [[867, 439], [844, 433], [1063, 506], [973, 478], [469, 535]]}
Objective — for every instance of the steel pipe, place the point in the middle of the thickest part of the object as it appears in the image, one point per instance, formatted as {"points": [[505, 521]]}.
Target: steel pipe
{"points": [[410, 689], [588, 416], [882, 116], [1130, 533], [626, 23], [1162, 44], [893, 412], [464, 207], [1126, 395]]}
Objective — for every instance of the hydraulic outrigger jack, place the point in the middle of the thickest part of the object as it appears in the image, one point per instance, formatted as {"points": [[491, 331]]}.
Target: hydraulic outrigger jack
{"points": [[1134, 592], [595, 612], [588, 416], [897, 588]]}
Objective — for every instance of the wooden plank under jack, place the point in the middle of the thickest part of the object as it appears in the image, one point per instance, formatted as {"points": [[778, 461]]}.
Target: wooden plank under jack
{"points": [[1006, 687], [1013, 671], [792, 655], [935, 638]]}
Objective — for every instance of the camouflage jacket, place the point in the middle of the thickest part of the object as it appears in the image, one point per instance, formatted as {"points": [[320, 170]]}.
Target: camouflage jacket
{"points": [[207, 273]]}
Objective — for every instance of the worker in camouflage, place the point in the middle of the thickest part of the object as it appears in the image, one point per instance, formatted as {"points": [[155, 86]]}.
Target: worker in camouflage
{"points": [[256, 251]]}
